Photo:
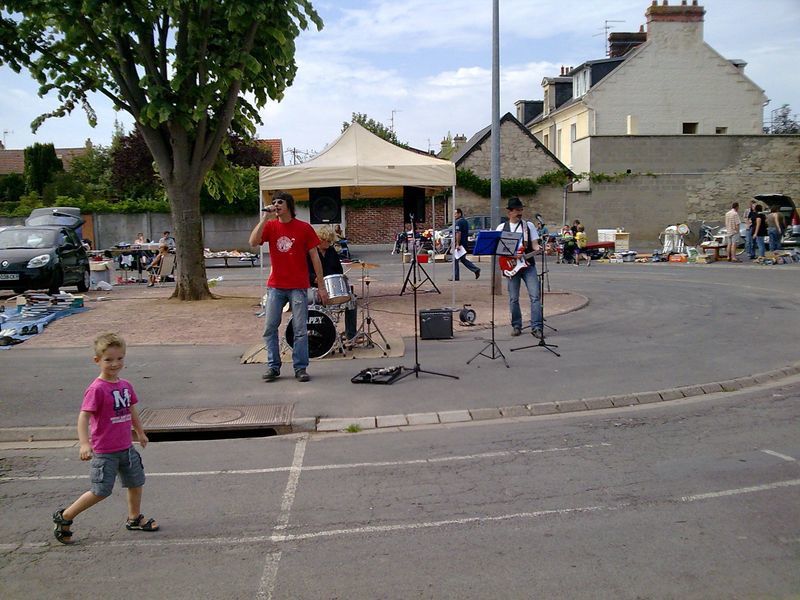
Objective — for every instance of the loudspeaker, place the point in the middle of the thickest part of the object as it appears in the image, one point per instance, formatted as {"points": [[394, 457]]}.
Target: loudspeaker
{"points": [[413, 204], [325, 205], [435, 324]]}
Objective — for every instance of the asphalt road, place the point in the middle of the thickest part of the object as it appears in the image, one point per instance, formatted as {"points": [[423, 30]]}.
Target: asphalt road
{"points": [[647, 327], [687, 499]]}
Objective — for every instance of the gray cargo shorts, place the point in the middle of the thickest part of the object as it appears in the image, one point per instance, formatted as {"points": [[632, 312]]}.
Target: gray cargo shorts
{"points": [[104, 469]]}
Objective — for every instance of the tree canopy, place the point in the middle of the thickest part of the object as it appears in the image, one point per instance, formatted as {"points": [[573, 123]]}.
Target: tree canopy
{"points": [[376, 127], [190, 72]]}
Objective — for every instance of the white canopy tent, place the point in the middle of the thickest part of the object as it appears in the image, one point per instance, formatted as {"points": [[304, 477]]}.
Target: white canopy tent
{"points": [[359, 159]]}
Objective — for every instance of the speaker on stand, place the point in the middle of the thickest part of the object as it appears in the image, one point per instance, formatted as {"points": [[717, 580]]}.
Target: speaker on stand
{"points": [[413, 204], [325, 205]]}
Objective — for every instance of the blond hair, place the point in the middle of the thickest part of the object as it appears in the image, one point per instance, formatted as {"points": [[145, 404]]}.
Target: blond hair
{"points": [[104, 341], [326, 233]]}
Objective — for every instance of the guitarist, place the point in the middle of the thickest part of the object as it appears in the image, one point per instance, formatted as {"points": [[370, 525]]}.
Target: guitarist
{"points": [[528, 245]]}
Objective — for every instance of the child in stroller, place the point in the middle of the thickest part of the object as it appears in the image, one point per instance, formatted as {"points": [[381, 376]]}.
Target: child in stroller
{"points": [[568, 246]]}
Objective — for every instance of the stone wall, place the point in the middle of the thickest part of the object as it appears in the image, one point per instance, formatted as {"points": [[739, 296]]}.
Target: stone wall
{"points": [[681, 179]]}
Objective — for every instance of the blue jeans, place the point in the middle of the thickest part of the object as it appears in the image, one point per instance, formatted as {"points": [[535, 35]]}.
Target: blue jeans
{"points": [[467, 263], [774, 238], [532, 285], [762, 247], [748, 243], [299, 301]]}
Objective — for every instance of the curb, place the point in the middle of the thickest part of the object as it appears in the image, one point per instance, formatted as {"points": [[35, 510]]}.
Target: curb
{"points": [[397, 421], [551, 408]]}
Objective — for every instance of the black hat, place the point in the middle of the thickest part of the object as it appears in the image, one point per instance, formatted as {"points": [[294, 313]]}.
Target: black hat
{"points": [[514, 202]]}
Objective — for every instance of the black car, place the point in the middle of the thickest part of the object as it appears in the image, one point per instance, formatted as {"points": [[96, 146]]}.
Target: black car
{"points": [[45, 253]]}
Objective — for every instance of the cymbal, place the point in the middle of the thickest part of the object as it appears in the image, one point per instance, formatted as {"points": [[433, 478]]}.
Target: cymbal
{"points": [[369, 266]]}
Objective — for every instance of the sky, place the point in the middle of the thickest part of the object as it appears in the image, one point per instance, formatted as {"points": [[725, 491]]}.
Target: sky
{"points": [[424, 66]]}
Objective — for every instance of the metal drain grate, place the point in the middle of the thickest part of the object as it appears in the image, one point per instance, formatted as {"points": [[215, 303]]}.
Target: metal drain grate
{"points": [[260, 416]]}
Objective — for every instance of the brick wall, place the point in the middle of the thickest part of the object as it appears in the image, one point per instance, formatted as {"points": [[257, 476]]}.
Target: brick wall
{"points": [[381, 224]]}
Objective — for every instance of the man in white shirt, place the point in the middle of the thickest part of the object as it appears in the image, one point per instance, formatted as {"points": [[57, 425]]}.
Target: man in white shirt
{"points": [[732, 222], [528, 245]]}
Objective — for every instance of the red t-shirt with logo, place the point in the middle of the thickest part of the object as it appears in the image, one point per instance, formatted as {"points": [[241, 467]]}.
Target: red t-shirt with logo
{"points": [[289, 244], [110, 406]]}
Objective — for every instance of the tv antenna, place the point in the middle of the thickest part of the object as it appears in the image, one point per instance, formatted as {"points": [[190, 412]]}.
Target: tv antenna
{"points": [[606, 28], [6, 132], [391, 121]]}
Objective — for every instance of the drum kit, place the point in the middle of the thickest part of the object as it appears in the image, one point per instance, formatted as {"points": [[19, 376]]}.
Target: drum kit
{"points": [[323, 319]]}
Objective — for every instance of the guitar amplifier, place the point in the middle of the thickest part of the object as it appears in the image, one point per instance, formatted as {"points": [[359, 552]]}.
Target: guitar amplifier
{"points": [[436, 324]]}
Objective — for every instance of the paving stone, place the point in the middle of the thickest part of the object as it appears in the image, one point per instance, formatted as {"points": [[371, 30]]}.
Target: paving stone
{"points": [[391, 420], [422, 418], [672, 394], [648, 397], [624, 400], [340, 424], [730, 385], [454, 416], [766, 377], [543, 408], [711, 388], [596, 403], [483, 414], [791, 370], [570, 406], [300, 424], [519, 410]]}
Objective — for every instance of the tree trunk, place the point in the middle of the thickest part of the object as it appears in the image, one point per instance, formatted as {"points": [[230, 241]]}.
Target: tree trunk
{"points": [[191, 280]]}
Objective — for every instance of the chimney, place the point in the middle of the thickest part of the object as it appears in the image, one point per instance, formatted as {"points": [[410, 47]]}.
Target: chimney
{"points": [[459, 141], [620, 43], [680, 20]]}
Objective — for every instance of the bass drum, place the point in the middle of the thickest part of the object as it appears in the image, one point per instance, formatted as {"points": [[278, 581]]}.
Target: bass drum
{"points": [[321, 334]]}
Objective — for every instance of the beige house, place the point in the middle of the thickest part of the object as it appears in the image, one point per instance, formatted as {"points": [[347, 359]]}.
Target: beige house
{"points": [[666, 81]]}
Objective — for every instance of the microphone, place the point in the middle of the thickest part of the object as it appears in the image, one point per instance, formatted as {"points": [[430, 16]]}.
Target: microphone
{"points": [[268, 209], [539, 218]]}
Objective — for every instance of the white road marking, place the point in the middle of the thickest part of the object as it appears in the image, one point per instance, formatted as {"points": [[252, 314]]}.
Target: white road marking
{"points": [[330, 467], [779, 455], [270, 575], [278, 538], [744, 490]]}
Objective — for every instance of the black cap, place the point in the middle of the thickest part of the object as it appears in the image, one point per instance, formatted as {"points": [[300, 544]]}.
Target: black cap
{"points": [[514, 202]]}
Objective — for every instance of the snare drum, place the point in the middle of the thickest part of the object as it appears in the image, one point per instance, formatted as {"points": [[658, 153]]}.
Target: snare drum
{"points": [[338, 289]]}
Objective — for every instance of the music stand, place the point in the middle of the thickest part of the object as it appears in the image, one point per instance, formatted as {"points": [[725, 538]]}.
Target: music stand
{"points": [[494, 244], [542, 343]]}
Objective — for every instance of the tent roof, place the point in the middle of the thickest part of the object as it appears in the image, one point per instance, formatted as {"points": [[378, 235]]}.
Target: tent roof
{"points": [[360, 158]]}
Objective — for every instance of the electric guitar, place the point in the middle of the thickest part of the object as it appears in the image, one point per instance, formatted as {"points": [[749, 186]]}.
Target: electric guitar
{"points": [[511, 265]]}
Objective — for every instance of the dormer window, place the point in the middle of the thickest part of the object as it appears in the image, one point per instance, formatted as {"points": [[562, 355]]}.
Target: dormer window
{"points": [[580, 83]]}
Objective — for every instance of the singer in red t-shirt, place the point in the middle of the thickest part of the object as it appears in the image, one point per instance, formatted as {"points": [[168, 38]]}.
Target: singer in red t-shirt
{"points": [[290, 243]]}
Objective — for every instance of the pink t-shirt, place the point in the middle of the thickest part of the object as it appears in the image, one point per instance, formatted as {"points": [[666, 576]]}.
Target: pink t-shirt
{"points": [[110, 423], [289, 244]]}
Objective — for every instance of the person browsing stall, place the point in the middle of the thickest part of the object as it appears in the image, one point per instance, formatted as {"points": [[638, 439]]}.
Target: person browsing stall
{"points": [[291, 243], [332, 265], [529, 244], [155, 266]]}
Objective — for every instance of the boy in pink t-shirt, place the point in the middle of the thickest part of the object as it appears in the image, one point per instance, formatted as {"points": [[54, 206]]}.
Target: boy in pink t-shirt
{"points": [[107, 414]]}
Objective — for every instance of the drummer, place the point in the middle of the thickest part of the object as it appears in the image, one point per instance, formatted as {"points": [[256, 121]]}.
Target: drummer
{"points": [[331, 265]]}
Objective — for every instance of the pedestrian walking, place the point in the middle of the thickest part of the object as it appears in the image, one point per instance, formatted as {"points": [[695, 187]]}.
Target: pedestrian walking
{"points": [[104, 429], [459, 248]]}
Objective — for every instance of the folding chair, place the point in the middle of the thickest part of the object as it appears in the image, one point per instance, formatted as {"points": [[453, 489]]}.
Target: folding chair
{"points": [[166, 270]]}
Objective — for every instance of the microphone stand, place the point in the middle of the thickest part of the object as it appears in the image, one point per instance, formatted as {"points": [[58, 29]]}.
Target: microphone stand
{"points": [[542, 343]]}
